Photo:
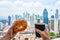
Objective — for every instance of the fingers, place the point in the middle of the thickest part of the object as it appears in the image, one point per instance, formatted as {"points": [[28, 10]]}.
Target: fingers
{"points": [[37, 30], [46, 32], [42, 33]]}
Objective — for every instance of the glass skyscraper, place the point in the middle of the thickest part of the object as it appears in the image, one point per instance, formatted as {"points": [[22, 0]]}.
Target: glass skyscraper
{"points": [[9, 20], [45, 16], [56, 14]]}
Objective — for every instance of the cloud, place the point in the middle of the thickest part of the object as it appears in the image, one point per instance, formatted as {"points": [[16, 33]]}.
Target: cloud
{"points": [[27, 4], [5, 4], [18, 7], [32, 4], [58, 4]]}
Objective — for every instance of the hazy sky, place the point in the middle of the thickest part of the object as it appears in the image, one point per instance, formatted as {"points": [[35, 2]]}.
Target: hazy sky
{"points": [[9, 7]]}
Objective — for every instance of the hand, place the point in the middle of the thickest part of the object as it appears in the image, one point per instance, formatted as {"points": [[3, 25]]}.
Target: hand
{"points": [[18, 25], [11, 33], [44, 34]]}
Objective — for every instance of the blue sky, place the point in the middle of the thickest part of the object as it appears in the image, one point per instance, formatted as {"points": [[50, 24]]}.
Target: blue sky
{"points": [[9, 7]]}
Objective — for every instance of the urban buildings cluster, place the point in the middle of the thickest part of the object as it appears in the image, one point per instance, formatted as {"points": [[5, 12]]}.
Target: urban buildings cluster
{"points": [[53, 23], [29, 17]]}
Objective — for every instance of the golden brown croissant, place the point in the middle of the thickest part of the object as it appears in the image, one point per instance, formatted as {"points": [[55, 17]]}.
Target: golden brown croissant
{"points": [[19, 25]]}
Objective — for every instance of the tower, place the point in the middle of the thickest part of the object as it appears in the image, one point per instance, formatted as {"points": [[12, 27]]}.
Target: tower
{"points": [[56, 22], [45, 16], [56, 14], [9, 20]]}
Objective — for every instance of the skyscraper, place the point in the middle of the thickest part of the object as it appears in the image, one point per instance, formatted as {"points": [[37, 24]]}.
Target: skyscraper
{"points": [[1, 26], [52, 24], [9, 20], [56, 26], [56, 14], [16, 16], [59, 24], [45, 16], [56, 22]]}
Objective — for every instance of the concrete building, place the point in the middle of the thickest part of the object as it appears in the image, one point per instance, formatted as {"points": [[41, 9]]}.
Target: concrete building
{"points": [[53, 25], [59, 22], [56, 26]]}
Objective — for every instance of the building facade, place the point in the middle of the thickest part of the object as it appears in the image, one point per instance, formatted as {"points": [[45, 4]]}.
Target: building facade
{"points": [[45, 16], [9, 20], [56, 14]]}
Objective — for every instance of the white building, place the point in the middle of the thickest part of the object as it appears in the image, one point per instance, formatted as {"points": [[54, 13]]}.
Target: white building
{"points": [[53, 25], [59, 22], [1, 26], [56, 26]]}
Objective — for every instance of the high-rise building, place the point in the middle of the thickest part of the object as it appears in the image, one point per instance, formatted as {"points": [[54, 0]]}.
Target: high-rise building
{"points": [[9, 20], [56, 14], [16, 16], [1, 26], [51, 23], [56, 22], [59, 24], [31, 21], [26, 16], [56, 26], [45, 16], [3, 21]]}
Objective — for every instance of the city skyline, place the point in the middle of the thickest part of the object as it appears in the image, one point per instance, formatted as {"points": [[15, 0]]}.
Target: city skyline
{"points": [[56, 14]]}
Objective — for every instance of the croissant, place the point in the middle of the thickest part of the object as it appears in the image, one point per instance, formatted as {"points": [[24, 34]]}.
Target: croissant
{"points": [[19, 25]]}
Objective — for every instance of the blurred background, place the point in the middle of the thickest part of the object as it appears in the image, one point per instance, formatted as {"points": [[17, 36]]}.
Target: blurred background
{"points": [[48, 12]]}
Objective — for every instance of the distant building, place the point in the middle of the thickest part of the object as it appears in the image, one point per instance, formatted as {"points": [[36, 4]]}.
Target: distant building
{"points": [[56, 26], [1, 26], [59, 24], [51, 24], [45, 16], [16, 16], [3, 21], [32, 21], [9, 20], [56, 14], [56, 22], [26, 16]]}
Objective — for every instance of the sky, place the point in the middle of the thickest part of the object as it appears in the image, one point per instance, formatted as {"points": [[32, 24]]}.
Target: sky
{"points": [[12, 7]]}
